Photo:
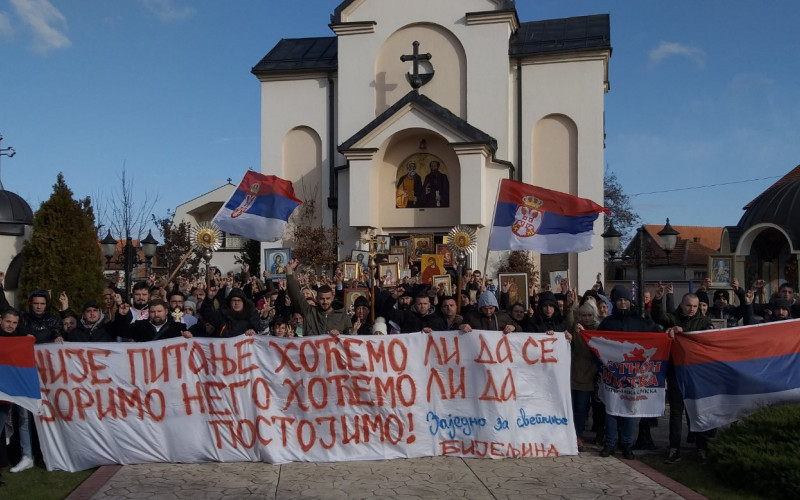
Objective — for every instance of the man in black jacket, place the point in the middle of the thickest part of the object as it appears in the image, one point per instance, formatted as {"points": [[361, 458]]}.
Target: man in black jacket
{"points": [[157, 326], [417, 318]]}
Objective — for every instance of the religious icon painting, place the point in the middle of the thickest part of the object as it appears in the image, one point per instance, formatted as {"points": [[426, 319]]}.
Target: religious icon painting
{"points": [[422, 182], [443, 281], [517, 287], [396, 258], [431, 265], [350, 296], [389, 273], [351, 271], [443, 249], [720, 270], [405, 273], [558, 281], [383, 244], [275, 260], [400, 250], [360, 257], [421, 244]]}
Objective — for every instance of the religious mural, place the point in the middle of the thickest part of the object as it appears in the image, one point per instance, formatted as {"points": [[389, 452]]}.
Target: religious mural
{"points": [[422, 182]]}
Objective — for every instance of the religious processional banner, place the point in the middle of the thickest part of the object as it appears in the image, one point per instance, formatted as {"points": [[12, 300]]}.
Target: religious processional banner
{"points": [[633, 371], [277, 400], [19, 382], [725, 375]]}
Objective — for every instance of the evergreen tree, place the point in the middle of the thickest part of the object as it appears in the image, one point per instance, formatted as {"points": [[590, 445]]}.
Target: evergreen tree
{"points": [[63, 253]]}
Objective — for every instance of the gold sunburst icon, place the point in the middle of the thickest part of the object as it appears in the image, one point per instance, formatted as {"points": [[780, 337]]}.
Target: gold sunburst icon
{"points": [[206, 235], [462, 239]]}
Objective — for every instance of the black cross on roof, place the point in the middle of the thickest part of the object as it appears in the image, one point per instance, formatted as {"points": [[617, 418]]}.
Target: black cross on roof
{"points": [[416, 79]]}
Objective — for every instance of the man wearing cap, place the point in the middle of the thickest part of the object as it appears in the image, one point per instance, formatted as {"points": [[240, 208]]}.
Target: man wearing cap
{"points": [[361, 317], [686, 318], [92, 326], [721, 308]]}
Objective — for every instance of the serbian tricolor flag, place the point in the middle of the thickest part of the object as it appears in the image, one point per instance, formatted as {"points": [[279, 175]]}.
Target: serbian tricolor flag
{"points": [[259, 208], [727, 374], [633, 371], [545, 221], [19, 380]]}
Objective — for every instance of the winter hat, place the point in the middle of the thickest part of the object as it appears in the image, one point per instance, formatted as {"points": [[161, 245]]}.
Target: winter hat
{"points": [[91, 305], [546, 298], [379, 327], [487, 298], [721, 294], [620, 292], [780, 304], [360, 301], [703, 296], [190, 303]]}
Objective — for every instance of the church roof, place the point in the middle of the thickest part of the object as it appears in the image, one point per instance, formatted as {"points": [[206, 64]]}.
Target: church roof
{"points": [[793, 174], [14, 213], [442, 114], [560, 35], [300, 55], [336, 17], [778, 205]]}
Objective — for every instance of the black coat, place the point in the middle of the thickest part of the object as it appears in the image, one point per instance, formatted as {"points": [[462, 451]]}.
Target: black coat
{"points": [[627, 320], [142, 330]]}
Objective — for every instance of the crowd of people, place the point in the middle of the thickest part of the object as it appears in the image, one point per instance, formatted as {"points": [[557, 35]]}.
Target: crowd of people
{"points": [[303, 303]]}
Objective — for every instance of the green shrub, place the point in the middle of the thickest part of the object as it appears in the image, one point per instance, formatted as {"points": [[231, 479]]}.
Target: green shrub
{"points": [[761, 452]]}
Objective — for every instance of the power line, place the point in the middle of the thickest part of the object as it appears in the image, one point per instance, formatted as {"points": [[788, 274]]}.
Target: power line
{"points": [[706, 186]]}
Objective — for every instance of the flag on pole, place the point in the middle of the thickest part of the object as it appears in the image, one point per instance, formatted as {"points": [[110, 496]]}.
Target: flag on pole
{"points": [[545, 221], [19, 381], [259, 208], [727, 374]]}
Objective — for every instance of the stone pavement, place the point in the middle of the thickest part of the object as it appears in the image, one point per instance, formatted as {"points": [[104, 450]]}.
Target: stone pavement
{"points": [[586, 476]]}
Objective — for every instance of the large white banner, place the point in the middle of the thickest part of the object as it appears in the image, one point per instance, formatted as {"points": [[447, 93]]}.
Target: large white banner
{"points": [[481, 394]]}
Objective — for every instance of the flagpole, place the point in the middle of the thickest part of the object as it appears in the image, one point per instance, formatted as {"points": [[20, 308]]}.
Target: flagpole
{"points": [[494, 213]]}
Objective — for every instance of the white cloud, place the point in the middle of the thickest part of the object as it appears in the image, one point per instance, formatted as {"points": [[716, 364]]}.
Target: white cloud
{"points": [[669, 49], [167, 11], [5, 26], [47, 23]]}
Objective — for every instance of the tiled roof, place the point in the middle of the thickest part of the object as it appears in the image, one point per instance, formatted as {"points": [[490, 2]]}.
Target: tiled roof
{"points": [[695, 244], [562, 35], [297, 55], [706, 236]]}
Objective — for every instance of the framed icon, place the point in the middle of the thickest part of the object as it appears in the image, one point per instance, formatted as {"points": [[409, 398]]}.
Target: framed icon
{"points": [[275, 260], [442, 280], [389, 273], [397, 258], [431, 265], [351, 271], [360, 257], [720, 270], [443, 249], [421, 244], [517, 287], [384, 243]]}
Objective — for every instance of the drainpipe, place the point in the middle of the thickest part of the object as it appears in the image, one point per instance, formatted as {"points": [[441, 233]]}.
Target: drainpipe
{"points": [[333, 180], [519, 120]]}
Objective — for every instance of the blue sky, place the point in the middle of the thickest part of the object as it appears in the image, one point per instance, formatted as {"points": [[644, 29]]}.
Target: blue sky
{"points": [[702, 93]]}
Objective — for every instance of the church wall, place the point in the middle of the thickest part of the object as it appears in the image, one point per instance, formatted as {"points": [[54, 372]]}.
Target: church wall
{"points": [[574, 90], [486, 45], [302, 165]]}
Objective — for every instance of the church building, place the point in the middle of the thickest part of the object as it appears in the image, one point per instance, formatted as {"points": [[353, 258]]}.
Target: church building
{"points": [[406, 119]]}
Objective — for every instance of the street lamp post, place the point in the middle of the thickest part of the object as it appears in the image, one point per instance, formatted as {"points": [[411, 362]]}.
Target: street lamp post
{"points": [[149, 246], [611, 239]]}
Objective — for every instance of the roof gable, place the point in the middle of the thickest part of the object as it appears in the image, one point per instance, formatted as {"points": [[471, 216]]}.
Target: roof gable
{"points": [[412, 102], [562, 35], [297, 55]]}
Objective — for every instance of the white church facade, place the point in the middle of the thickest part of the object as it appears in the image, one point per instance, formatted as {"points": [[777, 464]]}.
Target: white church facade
{"points": [[405, 121]]}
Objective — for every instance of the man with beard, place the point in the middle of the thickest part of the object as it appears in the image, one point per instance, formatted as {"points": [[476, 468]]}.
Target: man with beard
{"points": [[92, 326], [436, 188], [157, 326], [319, 319], [141, 299]]}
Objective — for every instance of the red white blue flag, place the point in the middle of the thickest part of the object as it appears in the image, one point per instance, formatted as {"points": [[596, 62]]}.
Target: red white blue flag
{"points": [[19, 380], [545, 221], [259, 208], [725, 375], [633, 371]]}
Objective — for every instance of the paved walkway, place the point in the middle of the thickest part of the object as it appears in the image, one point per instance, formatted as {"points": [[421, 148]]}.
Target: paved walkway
{"points": [[586, 476]]}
